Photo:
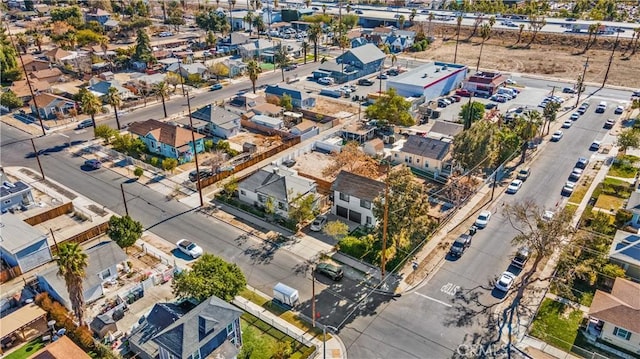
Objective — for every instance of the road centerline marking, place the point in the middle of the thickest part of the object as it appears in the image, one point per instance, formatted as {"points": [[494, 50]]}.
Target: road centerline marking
{"points": [[435, 300]]}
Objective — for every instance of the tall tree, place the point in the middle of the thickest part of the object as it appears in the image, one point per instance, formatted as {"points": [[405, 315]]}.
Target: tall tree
{"points": [[536, 23], [124, 230], [161, 89], [114, 99], [473, 146], [301, 208], [315, 30], [391, 108], [90, 104], [282, 59], [72, 263], [458, 23], [352, 159], [9, 68], [527, 127], [175, 15], [143, 52], [485, 32], [520, 30], [305, 50], [209, 276], [549, 113], [253, 70], [470, 113]]}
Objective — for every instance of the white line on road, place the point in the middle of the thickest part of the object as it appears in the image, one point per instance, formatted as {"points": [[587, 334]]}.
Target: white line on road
{"points": [[435, 300]]}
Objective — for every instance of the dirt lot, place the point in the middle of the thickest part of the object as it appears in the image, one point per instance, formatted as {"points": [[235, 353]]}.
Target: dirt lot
{"points": [[313, 163], [558, 56]]}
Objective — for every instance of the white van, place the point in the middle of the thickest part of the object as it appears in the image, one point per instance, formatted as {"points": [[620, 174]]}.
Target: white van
{"points": [[508, 91]]}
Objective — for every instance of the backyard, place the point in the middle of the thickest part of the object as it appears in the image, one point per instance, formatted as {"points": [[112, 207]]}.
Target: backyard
{"points": [[27, 350]]}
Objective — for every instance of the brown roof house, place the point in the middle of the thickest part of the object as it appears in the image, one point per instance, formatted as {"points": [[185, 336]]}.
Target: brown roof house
{"points": [[615, 317], [21, 88], [51, 105], [353, 197], [168, 140], [62, 348], [33, 64], [56, 55], [49, 75]]}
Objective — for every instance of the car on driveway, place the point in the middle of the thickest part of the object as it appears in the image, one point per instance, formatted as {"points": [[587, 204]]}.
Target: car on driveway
{"points": [[483, 219], [523, 174], [318, 223], [557, 136], [189, 248], [505, 281], [514, 186], [595, 146], [94, 164], [609, 123], [568, 188], [332, 271], [567, 124], [619, 110], [460, 245], [575, 174]]}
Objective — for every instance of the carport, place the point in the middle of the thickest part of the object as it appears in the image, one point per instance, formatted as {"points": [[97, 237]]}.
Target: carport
{"points": [[28, 316]]}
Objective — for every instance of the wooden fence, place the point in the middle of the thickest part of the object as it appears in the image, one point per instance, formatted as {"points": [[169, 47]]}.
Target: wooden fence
{"points": [[50, 214], [252, 161], [266, 130], [84, 236], [323, 186], [315, 116], [9, 273]]}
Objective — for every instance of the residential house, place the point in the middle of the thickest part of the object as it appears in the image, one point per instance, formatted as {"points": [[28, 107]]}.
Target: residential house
{"points": [[304, 127], [360, 132], [615, 317], [229, 45], [440, 129], [633, 206], [282, 186], [295, 14], [400, 40], [235, 67], [99, 15], [51, 105], [424, 154], [353, 197], [103, 261], [14, 194], [358, 41], [42, 9], [625, 252], [374, 147], [21, 88], [62, 348], [260, 49], [100, 88], [186, 70], [268, 121], [171, 331], [268, 109], [22, 245], [48, 75], [56, 55], [168, 140], [32, 63], [355, 63], [220, 122], [299, 98]]}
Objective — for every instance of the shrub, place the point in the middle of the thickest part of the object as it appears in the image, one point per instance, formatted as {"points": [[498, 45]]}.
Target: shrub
{"points": [[622, 217], [154, 161], [355, 247], [83, 336], [138, 172]]}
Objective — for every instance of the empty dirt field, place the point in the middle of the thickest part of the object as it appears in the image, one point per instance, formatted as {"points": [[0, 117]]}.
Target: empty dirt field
{"points": [[559, 56]]}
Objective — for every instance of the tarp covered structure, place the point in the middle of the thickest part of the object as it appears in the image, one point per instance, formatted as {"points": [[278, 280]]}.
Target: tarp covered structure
{"points": [[20, 319]]}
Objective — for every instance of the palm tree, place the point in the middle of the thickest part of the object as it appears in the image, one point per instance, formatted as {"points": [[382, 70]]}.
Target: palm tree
{"points": [[254, 70], [401, 21], [459, 22], [90, 105], [248, 18], [258, 23], [527, 127], [114, 99], [37, 40], [549, 113], [324, 9], [314, 35], [485, 32], [282, 58], [162, 89], [492, 21], [348, 8], [592, 29], [72, 262], [22, 42], [305, 49], [413, 14]]}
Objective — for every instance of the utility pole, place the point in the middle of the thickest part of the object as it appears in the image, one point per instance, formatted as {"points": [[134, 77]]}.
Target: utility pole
{"points": [[26, 76], [37, 159], [193, 136], [124, 200], [313, 298], [455, 54], [581, 82], [54, 240], [385, 224], [553, 89], [613, 51]]}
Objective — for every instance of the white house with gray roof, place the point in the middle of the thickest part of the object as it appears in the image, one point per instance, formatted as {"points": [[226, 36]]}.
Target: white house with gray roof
{"points": [[101, 88], [353, 197], [186, 70], [424, 153], [221, 123], [22, 245], [280, 185]]}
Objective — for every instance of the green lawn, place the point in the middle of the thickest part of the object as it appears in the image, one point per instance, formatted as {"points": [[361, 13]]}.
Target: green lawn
{"points": [[26, 350], [266, 66], [624, 167], [265, 338], [556, 324]]}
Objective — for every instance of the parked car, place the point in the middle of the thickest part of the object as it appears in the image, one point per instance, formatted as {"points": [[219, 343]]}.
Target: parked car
{"points": [[511, 82], [382, 77], [582, 162], [365, 82], [490, 106], [289, 163], [325, 81], [602, 107], [595, 146], [332, 271], [523, 174], [575, 174], [84, 124], [619, 110], [568, 188], [498, 98], [483, 219], [318, 223], [570, 90], [291, 67], [567, 124], [505, 281], [514, 186], [456, 98], [442, 103], [460, 245], [193, 175], [215, 87], [521, 257], [547, 215], [575, 116], [93, 164], [189, 248], [463, 93], [609, 123], [557, 136]]}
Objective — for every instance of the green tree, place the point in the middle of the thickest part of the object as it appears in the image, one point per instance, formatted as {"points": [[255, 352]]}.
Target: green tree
{"points": [[305, 50], [392, 109], [628, 137], [314, 33], [527, 127], [208, 145], [161, 89], [169, 164], [105, 132], [301, 208], [142, 50], [219, 69], [175, 15], [471, 113], [9, 69], [124, 230], [212, 21], [254, 70], [88, 37], [286, 102], [336, 229], [90, 104], [282, 59], [10, 100], [71, 15], [549, 114], [129, 145], [114, 99], [72, 263], [475, 145], [138, 172], [209, 276], [230, 187]]}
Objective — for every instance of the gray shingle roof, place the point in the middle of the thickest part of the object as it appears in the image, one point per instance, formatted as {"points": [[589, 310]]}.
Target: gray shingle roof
{"points": [[447, 128], [161, 316], [357, 186], [282, 185], [16, 234], [426, 147], [215, 114], [184, 335], [367, 53], [634, 201]]}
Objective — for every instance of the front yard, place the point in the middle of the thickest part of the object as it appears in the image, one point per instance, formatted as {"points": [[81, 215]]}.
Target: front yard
{"points": [[557, 324]]}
